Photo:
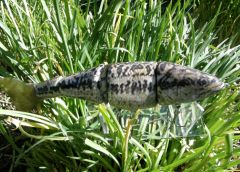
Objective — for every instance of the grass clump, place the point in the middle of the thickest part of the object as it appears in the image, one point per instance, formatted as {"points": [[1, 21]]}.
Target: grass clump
{"points": [[227, 23], [42, 39]]}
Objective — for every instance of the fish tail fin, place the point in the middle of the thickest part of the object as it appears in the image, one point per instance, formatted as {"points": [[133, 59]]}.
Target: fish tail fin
{"points": [[22, 94]]}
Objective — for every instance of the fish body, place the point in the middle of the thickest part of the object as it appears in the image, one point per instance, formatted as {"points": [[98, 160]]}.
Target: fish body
{"points": [[134, 86]]}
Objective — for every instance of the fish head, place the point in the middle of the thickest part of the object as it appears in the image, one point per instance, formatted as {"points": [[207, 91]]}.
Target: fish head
{"points": [[179, 84]]}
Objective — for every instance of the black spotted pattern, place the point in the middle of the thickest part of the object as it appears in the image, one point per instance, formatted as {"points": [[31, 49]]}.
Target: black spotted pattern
{"points": [[132, 85]]}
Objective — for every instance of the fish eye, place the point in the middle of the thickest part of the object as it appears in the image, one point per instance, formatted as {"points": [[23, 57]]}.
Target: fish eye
{"points": [[202, 82]]}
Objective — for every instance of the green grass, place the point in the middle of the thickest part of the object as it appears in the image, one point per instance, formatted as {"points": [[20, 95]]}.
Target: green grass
{"points": [[228, 21], [43, 39]]}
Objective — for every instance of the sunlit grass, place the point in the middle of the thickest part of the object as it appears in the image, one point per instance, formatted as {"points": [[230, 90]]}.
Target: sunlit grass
{"points": [[41, 39]]}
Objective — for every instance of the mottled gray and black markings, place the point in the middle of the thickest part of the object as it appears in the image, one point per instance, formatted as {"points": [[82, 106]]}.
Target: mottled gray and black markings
{"points": [[181, 84], [134, 85], [89, 85], [48, 88]]}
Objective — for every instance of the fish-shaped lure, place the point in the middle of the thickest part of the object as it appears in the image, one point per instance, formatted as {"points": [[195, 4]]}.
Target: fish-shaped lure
{"points": [[128, 85]]}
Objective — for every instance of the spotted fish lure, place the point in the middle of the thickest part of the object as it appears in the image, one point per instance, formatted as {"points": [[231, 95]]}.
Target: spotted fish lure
{"points": [[132, 86]]}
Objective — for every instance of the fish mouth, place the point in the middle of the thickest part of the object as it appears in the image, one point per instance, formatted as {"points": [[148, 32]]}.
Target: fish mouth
{"points": [[218, 86]]}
